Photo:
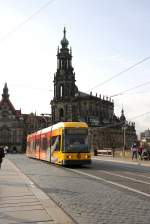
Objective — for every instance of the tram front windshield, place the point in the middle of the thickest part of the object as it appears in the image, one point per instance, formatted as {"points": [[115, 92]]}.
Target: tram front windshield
{"points": [[76, 140]]}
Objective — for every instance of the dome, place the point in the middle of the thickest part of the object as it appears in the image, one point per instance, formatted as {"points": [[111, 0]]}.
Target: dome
{"points": [[64, 41]]}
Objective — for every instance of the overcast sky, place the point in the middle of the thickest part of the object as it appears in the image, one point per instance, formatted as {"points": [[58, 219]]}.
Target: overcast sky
{"points": [[106, 37]]}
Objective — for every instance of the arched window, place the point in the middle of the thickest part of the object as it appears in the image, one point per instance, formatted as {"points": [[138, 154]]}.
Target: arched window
{"points": [[61, 114], [61, 91], [55, 90], [67, 91]]}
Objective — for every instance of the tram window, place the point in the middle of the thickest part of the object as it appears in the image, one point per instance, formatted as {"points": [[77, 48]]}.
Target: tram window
{"points": [[44, 143], [55, 143], [37, 142], [76, 131], [33, 145], [28, 145]]}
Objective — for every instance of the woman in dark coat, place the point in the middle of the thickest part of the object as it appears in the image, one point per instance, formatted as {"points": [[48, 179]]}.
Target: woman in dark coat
{"points": [[2, 155]]}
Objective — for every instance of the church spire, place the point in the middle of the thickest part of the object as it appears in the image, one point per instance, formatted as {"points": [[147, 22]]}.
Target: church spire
{"points": [[122, 117], [64, 41], [5, 92]]}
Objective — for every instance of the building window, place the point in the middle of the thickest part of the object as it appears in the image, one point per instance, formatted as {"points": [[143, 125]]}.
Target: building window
{"points": [[5, 135], [5, 114]]}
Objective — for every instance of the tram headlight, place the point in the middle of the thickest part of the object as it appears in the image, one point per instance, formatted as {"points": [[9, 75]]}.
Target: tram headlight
{"points": [[87, 156]]}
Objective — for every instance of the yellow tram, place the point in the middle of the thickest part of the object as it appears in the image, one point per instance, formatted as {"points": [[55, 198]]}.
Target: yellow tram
{"points": [[64, 143]]}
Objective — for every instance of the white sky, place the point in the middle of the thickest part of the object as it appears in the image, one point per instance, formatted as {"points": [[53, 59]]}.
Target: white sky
{"points": [[106, 37]]}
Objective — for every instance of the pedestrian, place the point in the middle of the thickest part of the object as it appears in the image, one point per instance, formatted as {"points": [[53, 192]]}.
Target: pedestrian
{"points": [[134, 151], [2, 155], [140, 150], [6, 149]]}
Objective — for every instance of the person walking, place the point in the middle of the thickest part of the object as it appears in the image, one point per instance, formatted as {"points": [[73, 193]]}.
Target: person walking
{"points": [[134, 151], [2, 155], [6, 149], [140, 150]]}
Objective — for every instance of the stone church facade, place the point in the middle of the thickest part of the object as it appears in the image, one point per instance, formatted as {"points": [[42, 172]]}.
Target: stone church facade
{"points": [[70, 104]]}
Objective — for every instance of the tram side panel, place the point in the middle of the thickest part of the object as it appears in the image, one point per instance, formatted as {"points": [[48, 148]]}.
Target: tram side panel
{"points": [[56, 146]]}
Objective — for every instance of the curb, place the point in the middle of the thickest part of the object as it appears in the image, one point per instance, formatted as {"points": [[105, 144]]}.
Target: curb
{"points": [[52, 209], [139, 163]]}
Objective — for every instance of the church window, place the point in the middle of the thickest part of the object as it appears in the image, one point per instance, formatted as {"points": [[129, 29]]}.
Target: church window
{"points": [[54, 90], [61, 91], [68, 91], [61, 63], [61, 113], [67, 63], [58, 63], [66, 108], [64, 64]]}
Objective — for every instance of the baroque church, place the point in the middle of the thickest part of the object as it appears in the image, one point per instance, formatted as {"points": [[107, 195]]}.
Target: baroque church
{"points": [[106, 130], [71, 104]]}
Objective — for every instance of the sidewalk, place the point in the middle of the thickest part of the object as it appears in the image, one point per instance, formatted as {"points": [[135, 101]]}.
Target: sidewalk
{"points": [[139, 162], [22, 202]]}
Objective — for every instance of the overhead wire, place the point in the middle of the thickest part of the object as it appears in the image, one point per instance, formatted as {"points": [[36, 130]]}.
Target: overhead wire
{"points": [[141, 115], [120, 73], [30, 87], [127, 90], [122, 122], [16, 28]]}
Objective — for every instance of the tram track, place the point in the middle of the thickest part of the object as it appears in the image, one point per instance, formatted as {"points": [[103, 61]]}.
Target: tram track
{"points": [[126, 178]]}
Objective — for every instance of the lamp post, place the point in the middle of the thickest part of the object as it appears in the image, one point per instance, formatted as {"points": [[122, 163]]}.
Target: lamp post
{"points": [[124, 138]]}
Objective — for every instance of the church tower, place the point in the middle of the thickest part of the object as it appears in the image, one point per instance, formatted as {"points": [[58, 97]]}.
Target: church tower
{"points": [[64, 79], [64, 83], [5, 94]]}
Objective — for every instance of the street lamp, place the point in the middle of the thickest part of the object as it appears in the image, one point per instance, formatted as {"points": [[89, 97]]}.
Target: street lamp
{"points": [[124, 138]]}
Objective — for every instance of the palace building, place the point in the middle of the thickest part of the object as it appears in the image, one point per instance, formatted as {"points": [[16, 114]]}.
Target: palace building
{"points": [[11, 124], [14, 126]]}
